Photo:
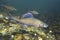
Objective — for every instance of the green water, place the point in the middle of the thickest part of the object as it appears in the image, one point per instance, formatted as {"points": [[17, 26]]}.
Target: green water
{"points": [[43, 6]]}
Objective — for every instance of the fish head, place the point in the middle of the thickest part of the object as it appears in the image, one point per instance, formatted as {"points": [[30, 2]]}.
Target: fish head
{"points": [[43, 25]]}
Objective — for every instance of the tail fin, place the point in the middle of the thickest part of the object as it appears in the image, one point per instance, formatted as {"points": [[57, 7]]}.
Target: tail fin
{"points": [[12, 18]]}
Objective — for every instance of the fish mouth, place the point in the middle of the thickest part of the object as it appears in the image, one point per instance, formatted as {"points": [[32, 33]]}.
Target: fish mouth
{"points": [[45, 26]]}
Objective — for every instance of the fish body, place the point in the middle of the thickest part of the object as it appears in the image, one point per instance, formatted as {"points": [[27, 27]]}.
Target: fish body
{"points": [[32, 22], [34, 12], [8, 7]]}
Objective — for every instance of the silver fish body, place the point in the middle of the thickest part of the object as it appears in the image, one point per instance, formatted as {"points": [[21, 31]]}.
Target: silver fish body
{"points": [[33, 22], [34, 12]]}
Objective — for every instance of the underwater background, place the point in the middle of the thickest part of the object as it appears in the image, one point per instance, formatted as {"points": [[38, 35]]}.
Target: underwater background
{"points": [[49, 11], [43, 6]]}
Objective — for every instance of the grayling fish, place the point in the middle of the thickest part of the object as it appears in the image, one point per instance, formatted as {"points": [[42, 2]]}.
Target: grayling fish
{"points": [[9, 7], [33, 22], [34, 12]]}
